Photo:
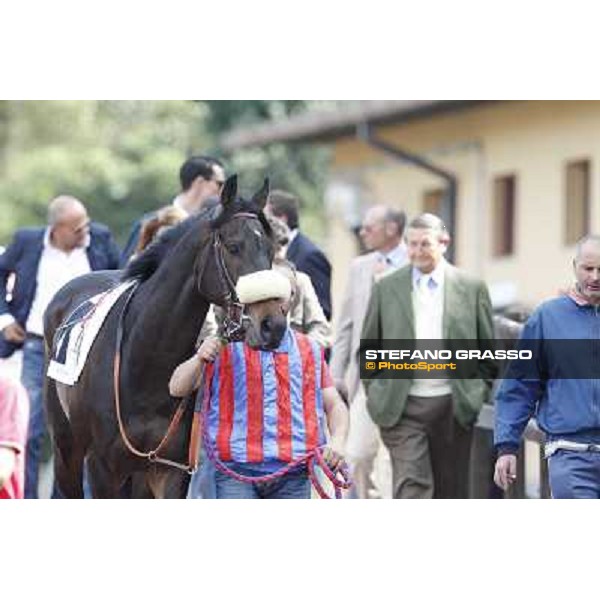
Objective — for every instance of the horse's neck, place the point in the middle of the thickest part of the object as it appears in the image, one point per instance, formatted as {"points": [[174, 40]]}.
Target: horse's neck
{"points": [[166, 314]]}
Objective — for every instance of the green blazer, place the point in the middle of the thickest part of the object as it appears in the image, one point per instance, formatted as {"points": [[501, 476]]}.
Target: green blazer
{"points": [[467, 315]]}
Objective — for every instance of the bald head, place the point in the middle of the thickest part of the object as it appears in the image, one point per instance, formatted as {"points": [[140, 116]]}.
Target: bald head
{"points": [[63, 207], [69, 223], [586, 266], [376, 212], [382, 228]]}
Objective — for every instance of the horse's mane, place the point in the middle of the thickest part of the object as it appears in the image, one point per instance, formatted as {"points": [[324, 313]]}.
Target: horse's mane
{"points": [[143, 266]]}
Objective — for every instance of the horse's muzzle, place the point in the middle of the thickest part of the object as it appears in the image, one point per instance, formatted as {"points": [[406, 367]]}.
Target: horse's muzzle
{"points": [[272, 330]]}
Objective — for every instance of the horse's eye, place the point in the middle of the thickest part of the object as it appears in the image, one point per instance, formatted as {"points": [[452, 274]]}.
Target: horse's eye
{"points": [[233, 248]]}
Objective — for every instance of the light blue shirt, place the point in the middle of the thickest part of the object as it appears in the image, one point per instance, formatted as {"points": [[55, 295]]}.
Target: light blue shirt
{"points": [[397, 257], [436, 277]]}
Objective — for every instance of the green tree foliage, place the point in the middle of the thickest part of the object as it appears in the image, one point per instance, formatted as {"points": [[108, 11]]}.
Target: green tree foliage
{"points": [[122, 158], [297, 168]]}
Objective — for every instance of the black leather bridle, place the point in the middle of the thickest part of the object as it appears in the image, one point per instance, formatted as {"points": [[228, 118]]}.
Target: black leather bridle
{"points": [[233, 329]]}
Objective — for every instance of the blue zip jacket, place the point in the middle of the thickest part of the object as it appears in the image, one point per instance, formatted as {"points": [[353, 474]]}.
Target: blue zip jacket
{"points": [[565, 408]]}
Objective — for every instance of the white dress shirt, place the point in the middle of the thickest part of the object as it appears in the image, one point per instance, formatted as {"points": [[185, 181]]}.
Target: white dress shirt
{"points": [[56, 268], [178, 204], [428, 308]]}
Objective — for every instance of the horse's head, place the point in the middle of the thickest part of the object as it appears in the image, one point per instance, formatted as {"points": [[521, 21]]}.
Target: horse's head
{"points": [[267, 323], [240, 243], [207, 253]]}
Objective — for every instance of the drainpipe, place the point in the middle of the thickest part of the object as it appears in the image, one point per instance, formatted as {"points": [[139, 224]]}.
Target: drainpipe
{"points": [[364, 133]]}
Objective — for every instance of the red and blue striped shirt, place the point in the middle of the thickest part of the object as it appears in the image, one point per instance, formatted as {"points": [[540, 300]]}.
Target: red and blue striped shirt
{"points": [[267, 406]]}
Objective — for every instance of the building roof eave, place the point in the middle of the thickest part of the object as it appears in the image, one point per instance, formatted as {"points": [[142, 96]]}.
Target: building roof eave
{"points": [[324, 126]]}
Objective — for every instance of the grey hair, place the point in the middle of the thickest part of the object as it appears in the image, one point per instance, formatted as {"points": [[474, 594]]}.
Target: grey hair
{"points": [[58, 207], [388, 214], [396, 216], [432, 222], [591, 237]]}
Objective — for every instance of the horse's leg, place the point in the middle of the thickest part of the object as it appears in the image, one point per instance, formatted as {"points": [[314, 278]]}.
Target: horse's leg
{"points": [[165, 482], [177, 484], [157, 477], [68, 455], [68, 472], [103, 481], [140, 486]]}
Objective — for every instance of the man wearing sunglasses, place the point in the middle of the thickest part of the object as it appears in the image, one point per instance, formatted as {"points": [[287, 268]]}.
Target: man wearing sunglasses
{"points": [[39, 261], [201, 178]]}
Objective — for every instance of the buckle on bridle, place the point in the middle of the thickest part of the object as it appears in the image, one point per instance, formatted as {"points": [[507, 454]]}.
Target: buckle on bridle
{"points": [[233, 322]]}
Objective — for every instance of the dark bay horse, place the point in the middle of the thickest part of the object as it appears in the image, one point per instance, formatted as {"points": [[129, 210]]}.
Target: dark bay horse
{"points": [[192, 265]]}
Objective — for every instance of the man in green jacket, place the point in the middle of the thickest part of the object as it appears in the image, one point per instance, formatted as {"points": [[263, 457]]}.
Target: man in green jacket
{"points": [[427, 424]]}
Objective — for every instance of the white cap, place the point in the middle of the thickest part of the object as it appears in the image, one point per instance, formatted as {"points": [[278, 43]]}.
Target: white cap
{"points": [[263, 285]]}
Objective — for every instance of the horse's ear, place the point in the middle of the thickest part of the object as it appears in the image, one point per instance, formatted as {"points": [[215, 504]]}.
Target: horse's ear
{"points": [[229, 192], [260, 198]]}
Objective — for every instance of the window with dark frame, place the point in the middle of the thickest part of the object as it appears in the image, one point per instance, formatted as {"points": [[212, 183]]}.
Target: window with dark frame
{"points": [[577, 201], [503, 216], [440, 202], [432, 201]]}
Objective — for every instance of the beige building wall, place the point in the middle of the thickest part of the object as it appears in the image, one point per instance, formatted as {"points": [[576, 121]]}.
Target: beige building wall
{"points": [[531, 139]]}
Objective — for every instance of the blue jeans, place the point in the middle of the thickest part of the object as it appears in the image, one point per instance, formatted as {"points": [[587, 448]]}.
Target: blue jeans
{"points": [[574, 474], [294, 486], [32, 377], [202, 484]]}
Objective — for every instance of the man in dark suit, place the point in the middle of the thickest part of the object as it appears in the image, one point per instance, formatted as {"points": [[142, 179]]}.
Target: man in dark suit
{"points": [[42, 260], [201, 178], [303, 253]]}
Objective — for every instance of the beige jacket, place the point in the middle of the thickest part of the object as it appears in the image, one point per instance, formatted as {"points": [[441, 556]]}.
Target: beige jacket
{"points": [[306, 314], [344, 357]]}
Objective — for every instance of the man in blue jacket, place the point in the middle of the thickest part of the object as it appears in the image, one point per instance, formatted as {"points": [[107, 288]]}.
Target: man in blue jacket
{"points": [[39, 261], [202, 179], [303, 253], [560, 387]]}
